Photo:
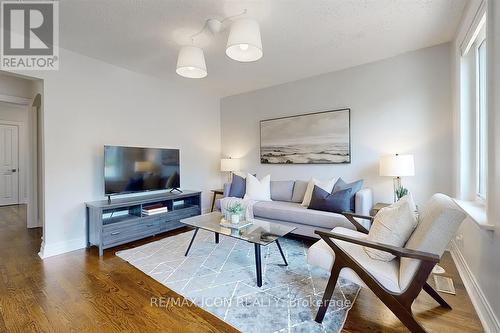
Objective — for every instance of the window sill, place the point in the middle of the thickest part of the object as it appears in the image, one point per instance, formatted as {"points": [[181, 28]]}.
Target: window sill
{"points": [[476, 210]]}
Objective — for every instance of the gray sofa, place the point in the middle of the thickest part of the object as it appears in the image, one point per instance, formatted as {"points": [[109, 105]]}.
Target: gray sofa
{"points": [[285, 208]]}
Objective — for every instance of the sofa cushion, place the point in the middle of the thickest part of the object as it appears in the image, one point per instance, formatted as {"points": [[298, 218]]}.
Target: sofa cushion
{"points": [[294, 212], [336, 202], [282, 190], [322, 255], [354, 186], [299, 189]]}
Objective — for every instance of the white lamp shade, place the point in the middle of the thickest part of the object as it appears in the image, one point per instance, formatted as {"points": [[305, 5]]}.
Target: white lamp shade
{"points": [[397, 166], [229, 164], [191, 63], [244, 43]]}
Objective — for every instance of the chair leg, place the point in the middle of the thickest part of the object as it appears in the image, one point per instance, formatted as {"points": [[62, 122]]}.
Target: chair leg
{"points": [[327, 296], [406, 317], [434, 294]]}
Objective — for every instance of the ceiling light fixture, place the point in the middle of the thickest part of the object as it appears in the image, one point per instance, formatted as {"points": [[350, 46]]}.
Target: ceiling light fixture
{"points": [[191, 63], [244, 43]]}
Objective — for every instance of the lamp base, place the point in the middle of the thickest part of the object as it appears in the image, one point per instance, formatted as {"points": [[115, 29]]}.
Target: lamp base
{"points": [[396, 184]]}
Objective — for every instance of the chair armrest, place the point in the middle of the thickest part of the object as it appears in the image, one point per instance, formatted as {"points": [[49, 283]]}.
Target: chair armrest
{"points": [[351, 217], [370, 218], [394, 250]]}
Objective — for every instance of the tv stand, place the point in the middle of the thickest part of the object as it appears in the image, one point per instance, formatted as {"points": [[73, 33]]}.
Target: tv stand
{"points": [[122, 220], [175, 189]]}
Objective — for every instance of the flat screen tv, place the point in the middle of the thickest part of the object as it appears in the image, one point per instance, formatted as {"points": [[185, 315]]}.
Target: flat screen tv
{"points": [[133, 169]]}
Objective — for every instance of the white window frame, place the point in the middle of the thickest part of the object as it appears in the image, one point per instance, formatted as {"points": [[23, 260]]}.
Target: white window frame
{"points": [[480, 114]]}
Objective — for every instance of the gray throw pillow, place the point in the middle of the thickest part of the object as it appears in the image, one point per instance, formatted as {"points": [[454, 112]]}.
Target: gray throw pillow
{"points": [[336, 202], [354, 186]]}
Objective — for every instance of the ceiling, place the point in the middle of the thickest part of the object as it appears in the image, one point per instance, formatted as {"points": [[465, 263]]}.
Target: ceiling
{"points": [[301, 38]]}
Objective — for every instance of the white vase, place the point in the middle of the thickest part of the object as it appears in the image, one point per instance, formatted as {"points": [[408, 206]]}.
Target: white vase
{"points": [[235, 218]]}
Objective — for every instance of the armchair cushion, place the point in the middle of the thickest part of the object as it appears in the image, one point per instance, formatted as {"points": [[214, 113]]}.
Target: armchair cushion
{"points": [[385, 272], [393, 225], [438, 222]]}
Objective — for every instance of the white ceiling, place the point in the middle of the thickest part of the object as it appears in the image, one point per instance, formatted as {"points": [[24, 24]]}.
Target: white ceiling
{"points": [[301, 38]]}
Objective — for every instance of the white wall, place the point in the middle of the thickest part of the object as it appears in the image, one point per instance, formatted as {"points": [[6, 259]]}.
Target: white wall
{"points": [[475, 249], [89, 103], [398, 105]]}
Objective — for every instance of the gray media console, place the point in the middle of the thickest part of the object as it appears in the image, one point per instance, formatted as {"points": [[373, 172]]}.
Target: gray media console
{"points": [[124, 220]]}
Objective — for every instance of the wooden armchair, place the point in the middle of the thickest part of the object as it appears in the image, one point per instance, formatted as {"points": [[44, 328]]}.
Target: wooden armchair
{"points": [[398, 282]]}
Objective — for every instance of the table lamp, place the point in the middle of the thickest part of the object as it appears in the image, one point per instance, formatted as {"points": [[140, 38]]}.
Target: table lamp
{"points": [[230, 165], [397, 166]]}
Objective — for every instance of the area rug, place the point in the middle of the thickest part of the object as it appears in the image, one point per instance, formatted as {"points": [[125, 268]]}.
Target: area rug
{"points": [[220, 278]]}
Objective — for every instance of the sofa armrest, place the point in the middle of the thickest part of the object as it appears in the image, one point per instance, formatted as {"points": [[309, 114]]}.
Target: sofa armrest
{"points": [[363, 201], [227, 187]]}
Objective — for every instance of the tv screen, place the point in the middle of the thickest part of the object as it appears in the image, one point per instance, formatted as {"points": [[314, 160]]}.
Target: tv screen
{"points": [[132, 169]]}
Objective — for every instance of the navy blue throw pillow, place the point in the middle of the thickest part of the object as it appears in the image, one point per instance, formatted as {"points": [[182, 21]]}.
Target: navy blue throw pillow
{"points": [[336, 202], [354, 186], [238, 187]]}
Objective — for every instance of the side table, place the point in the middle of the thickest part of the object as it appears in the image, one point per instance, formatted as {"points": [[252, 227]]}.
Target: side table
{"points": [[216, 193]]}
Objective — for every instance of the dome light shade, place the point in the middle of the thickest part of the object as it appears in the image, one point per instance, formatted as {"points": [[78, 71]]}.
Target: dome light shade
{"points": [[191, 63], [244, 43]]}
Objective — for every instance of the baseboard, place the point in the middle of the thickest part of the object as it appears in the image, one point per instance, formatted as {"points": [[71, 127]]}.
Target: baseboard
{"points": [[483, 308], [54, 249]]}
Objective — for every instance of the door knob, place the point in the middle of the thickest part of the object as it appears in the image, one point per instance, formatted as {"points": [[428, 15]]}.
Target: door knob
{"points": [[14, 170]]}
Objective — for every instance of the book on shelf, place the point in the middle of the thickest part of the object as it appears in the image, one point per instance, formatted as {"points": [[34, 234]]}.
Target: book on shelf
{"points": [[154, 206], [154, 209], [153, 213]]}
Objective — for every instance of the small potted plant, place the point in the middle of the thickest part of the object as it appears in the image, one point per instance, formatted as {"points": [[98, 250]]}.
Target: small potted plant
{"points": [[235, 211], [401, 192]]}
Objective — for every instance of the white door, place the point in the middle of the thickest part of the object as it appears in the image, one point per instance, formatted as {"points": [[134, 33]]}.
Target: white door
{"points": [[9, 159]]}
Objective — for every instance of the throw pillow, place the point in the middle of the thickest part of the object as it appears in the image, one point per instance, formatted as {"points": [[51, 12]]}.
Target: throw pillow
{"points": [[238, 187], [336, 202], [393, 225], [354, 186], [326, 185], [259, 190]]}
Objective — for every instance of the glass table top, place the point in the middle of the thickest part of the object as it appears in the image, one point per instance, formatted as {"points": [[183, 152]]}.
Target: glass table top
{"points": [[258, 232]]}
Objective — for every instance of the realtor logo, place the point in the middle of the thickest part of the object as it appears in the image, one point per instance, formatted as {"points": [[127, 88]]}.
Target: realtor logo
{"points": [[30, 35]]}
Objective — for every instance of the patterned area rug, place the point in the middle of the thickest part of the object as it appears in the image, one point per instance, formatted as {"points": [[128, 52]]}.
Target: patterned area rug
{"points": [[220, 278]]}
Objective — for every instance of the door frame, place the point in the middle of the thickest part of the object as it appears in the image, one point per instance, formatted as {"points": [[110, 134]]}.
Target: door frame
{"points": [[21, 128], [33, 218]]}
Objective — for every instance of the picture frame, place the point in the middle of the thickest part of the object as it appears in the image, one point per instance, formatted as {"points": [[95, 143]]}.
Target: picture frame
{"points": [[311, 138]]}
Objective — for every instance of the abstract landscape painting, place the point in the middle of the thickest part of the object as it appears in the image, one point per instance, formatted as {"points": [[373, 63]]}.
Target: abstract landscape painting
{"points": [[315, 138]]}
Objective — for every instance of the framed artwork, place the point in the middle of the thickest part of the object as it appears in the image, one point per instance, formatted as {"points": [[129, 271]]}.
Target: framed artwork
{"points": [[313, 138]]}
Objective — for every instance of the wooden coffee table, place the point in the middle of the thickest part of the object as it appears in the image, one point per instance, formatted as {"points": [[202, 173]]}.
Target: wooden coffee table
{"points": [[260, 233]]}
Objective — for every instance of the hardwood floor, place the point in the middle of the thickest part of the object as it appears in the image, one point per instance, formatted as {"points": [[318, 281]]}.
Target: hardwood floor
{"points": [[80, 292]]}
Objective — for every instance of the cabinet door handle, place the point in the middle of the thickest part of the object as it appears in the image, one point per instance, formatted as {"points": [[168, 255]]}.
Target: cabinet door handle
{"points": [[115, 233]]}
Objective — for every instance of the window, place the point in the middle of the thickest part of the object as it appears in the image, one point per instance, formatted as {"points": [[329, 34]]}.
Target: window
{"points": [[481, 123]]}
